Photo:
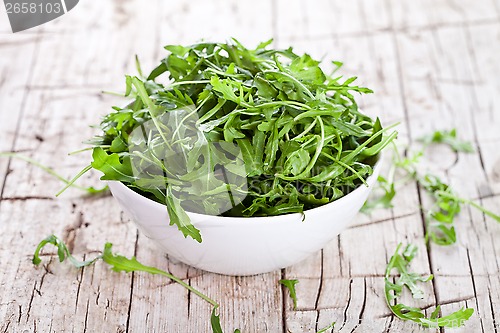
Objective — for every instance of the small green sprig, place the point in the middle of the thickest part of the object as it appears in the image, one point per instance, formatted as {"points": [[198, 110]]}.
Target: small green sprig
{"points": [[448, 138], [50, 171], [400, 262], [446, 203], [119, 263], [440, 218], [384, 200], [290, 285], [326, 328]]}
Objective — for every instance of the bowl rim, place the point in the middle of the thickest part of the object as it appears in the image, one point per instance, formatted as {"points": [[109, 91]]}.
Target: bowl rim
{"points": [[370, 181]]}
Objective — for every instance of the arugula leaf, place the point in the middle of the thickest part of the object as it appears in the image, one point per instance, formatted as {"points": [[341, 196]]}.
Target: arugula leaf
{"points": [[441, 216], [111, 166], [447, 206], [179, 217], [119, 263], [324, 329], [62, 252], [215, 323], [290, 285], [383, 201], [447, 195], [449, 138], [400, 262]]}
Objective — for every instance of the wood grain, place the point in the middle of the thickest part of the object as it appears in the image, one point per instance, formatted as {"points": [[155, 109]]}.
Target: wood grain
{"points": [[432, 64]]}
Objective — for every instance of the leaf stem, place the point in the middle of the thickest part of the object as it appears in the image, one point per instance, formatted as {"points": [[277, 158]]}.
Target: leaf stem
{"points": [[300, 84], [72, 181], [190, 288], [50, 171]]}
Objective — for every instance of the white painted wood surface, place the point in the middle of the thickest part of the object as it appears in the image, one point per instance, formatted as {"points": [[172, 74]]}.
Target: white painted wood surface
{"points": [[433, 65]]}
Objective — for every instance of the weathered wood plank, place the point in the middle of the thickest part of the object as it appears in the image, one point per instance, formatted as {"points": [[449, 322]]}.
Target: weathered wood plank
{"points": [[57, 297], [18, 56], [64, 97], [431, 65], [158, 305], [482, 43], [408, 14], [298, 20], [185, 22], [445, 76], [251, 303]]}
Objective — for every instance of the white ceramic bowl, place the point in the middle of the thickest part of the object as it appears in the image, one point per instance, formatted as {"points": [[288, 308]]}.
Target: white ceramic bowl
{"points": [[244, 245]]}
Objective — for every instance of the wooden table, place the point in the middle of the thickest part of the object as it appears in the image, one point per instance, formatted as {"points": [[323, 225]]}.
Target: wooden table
{"points": [[433, 65]]}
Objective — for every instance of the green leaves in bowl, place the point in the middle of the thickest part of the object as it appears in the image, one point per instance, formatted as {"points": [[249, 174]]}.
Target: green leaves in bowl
{"points": [[297, 132]]}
